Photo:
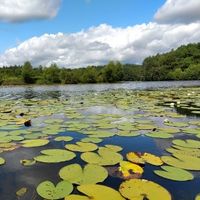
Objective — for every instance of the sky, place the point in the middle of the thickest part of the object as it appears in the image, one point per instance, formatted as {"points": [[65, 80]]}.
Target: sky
{"points": [[78, 33]]}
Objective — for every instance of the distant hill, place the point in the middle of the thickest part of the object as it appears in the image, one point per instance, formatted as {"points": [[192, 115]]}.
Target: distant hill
{"points": [[180, 64]]}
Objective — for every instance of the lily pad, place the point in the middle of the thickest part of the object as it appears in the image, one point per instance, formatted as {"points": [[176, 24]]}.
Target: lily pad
{"points": [[55, 156], [21, 192], [96, 192], [91, 174], [159, 135], [152, 159], [2, 161], [141, 158], [136, 189], [92, 139], [35, 143], [114, 148], [135, 158], [182, 161], [174, 173], [187, 143], [27, 162], [103, 157], [197, 197], [49, 191], [64, 138], [128, 169], [184, 151], [81, 147]]}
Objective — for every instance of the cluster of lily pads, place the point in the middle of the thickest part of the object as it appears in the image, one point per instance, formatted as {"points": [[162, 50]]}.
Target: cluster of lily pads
{"points": [[119, 113]]}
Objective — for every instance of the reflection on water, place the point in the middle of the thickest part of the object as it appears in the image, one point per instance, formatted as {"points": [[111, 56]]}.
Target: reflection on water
{"points": [[59, 91]]}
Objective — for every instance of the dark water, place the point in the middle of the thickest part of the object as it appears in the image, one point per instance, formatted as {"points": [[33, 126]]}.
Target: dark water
{"points": [[14, 176]]}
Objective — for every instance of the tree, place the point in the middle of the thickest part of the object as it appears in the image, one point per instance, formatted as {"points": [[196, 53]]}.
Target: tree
{"points": [[113, 72], [51, 74], [27, 73]]}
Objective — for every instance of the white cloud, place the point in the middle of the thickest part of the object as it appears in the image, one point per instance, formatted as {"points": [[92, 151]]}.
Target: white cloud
{"points": [[98, 45], [23, 10], [179, 11]]}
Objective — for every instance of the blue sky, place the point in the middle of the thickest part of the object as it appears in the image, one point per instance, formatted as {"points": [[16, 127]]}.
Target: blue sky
{"points": [[75, 15], [78, 33]]}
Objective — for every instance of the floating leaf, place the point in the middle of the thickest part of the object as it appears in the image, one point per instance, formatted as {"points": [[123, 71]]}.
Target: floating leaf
{"points": [[197, 197], [35, 143], [55, 156], [103, 157], [187, 143], [152, 159], [92, 139], [27, 162], [159, 135], [128, 169], [135, 158], [81, 147], [2, 161], [182, 161], [113, 147], [184, 151], [47, 190], [64, 138], [96, 192], [21, 192], [174, 173], [91, 174], [136, 189]]}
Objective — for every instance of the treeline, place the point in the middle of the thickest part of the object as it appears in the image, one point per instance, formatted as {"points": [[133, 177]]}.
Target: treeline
{"points": [[110, 73], [180, 64]]}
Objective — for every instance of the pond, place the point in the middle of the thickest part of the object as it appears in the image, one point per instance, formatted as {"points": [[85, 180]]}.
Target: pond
{"points": [[150, 124]]}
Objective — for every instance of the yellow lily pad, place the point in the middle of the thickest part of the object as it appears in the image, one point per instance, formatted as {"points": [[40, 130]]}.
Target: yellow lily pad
{"points": [[128, 168], [139, 189], [35, 143], [96, 192]]}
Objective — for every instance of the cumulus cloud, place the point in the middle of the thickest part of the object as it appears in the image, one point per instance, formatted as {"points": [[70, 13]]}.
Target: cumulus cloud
{"points": [[100, 44], [179, 11], [23, 10]]}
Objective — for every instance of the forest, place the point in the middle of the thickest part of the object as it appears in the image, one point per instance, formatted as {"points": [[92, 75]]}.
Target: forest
{"points": [[180, 64]]}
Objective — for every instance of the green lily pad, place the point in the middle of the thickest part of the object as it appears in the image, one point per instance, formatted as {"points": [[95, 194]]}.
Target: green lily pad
{"points": [[103, 157], [174, 173], [91, 174], [187, 143], [49, 191], [182, 161], [35, 143], [127, 134], [55, 156], [114, 148], [96, 192], [92, 139], [177, 124], [100, 134], [27, 162], [184, 151], [159, 135], [197, 197], [64, 138], [21, 192], [81, 147], [139, 189], [2, 161]]}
